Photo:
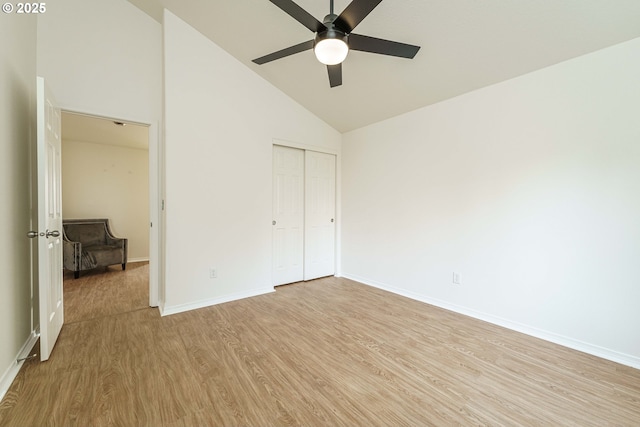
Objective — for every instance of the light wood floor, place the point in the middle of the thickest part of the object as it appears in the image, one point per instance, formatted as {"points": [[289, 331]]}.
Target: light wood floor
{"points": [[106, 291], [329, 352]]}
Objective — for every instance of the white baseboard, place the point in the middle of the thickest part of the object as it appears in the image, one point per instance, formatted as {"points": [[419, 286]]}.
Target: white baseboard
{"points": [[166, 311], [594, 350], [137, 260], [12, 371]]}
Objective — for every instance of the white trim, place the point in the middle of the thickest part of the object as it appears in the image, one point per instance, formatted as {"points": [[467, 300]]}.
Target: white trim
{"points": [[142, 259], [594, 350], [12, 371], [167, 311], [307, 147], [92, 114], [155, 196]]}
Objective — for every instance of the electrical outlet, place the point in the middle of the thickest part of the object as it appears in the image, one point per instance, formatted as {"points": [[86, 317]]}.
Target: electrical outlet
{"points": [[213, 273], [457, 279]]}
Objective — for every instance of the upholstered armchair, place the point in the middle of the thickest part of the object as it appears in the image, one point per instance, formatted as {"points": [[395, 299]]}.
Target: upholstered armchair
{"points": [[89, 243]]}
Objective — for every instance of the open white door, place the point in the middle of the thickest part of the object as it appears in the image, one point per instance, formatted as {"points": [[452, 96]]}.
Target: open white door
{"points": [[320, 211], [49, 235]]}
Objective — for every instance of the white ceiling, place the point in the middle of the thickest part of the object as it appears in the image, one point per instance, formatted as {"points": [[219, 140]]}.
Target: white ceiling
{"points": [[465, 45], [96, 130]]}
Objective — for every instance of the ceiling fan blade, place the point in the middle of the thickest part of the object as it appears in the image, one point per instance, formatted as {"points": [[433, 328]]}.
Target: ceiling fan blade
{"points": [[381, 46], [335, 75], [354, 14], [300, 15], [284, 52]]}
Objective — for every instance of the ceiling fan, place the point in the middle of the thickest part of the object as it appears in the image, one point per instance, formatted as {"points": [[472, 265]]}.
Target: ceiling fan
{"points": [[334, 37]]}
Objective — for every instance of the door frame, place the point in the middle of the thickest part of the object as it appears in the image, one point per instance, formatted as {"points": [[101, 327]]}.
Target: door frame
{"points": [[327, 150], [156, 178]]}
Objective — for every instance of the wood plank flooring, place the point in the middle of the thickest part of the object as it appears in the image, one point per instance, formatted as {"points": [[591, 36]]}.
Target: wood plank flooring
{"points": [[329, 352], [105, 291]]}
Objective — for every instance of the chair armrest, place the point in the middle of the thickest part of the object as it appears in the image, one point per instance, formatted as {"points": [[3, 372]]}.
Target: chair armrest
{"points": [[120, 242], [116, 241], [71, 254]]}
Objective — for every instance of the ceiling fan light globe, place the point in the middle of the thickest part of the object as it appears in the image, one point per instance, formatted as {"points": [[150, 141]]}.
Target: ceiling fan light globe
{"points": [[331, 51]]}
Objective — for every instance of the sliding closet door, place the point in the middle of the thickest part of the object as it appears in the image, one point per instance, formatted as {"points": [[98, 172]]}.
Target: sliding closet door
{"points": [[288, 215], [320, 208]]}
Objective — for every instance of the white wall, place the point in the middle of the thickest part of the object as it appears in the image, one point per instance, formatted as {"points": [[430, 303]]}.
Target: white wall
{"points": [[107, 181], [105, 58], [220, 122], [17, 137], [102, 57], [530, 189]]}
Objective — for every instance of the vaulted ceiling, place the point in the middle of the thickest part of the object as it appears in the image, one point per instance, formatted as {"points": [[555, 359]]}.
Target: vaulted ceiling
{"points": [[465, 45]]}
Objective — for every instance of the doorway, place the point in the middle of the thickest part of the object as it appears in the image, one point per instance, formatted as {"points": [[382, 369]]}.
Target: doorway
{"points": [[105, 174], [304, 206]]}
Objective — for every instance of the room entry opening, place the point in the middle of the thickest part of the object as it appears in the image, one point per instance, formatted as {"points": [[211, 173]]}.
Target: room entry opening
{"points": [[106, 181]]}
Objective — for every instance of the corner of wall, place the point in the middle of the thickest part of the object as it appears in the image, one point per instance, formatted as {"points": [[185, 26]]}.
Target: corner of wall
{"points": [[13, 370]]}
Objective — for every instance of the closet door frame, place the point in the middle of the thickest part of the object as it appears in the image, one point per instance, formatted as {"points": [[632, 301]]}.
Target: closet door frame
{"points": [[337, 214]]}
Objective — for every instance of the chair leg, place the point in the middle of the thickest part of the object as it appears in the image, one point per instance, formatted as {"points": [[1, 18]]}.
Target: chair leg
{"points": [[124, 266], [76, 274]]}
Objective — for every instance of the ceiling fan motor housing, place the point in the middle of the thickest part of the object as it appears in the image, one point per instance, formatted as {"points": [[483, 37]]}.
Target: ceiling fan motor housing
{"points": [[332, 32]]}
